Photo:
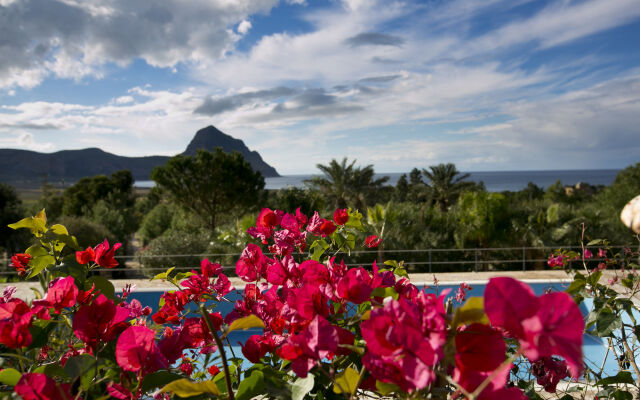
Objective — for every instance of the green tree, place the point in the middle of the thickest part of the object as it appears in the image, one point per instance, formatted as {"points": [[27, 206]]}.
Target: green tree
{"points": [[482, 219], [446, 184], [10, 212], [401, 189], [345, 184], [211, 184]]}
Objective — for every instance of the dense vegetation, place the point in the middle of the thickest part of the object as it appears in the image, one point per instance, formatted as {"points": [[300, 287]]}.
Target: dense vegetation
{"points": [[204, 204]]}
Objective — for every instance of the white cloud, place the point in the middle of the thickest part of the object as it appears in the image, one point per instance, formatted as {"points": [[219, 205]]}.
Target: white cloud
{"points": [[244, 27], [74, 39]]}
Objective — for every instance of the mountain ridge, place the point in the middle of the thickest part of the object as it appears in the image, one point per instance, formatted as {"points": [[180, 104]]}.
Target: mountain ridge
{"points": [[70, 165]]}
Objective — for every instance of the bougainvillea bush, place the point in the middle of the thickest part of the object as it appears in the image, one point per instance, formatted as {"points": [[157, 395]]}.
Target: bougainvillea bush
{"points": [[326, 331]]}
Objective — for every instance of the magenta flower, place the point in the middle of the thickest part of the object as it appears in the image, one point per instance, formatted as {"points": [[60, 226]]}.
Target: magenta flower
{"points": [[136, 351], [548, 325], [37, 386], [62, 293], [355, 286], [101, 321]]}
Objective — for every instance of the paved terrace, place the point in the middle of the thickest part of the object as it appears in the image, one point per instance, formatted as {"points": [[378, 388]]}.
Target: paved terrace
{"points": [[24, 288]]}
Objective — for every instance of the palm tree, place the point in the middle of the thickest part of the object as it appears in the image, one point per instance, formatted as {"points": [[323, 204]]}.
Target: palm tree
{"points": [[445, 184], [345, 184]]}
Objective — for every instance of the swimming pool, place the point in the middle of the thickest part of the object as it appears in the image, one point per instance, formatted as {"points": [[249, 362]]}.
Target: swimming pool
{"points": [[594, 348]]}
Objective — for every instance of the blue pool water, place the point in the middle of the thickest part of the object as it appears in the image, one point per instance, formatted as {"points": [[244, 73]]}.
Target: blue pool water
{"points": [[594, 348]]}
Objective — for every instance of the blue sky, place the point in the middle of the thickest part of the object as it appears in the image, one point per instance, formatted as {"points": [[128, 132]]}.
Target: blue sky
{"points": [[488, 85]]}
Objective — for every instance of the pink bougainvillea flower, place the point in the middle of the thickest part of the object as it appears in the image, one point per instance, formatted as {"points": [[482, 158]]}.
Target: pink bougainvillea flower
{"points": [[62, 293], [301, 218], [86, 256], [479, 347], [341, 216], [461, 293], [405, 341], [317, 341], [85, 296], [470, 379], [602, 253], [551, 324], [209, 269], [252, 264], [118, 391], [100, 321], [20, 262], [587, 253], [320, 226], [372, 241], [37, 386], [136, 351], [355, 286], [7, 294], [507, 302], [556, 329], [104, 255], [222, 286], [15, 319]]}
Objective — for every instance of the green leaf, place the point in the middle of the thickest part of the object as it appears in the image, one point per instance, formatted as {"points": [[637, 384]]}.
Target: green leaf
{"points": [[52, 370], [157, 379], [317, 249], [10, 376], [40, 330], [621, 377], [607, 322], [594, 278], [347, 382], [186, 388], [70, 241], [355, 220], [37, 250], [596, 242], [472, 311], [392, 263], [386, 389], [102, 284], [251, 386], [244, 323], [301, 387], [182, 275], [38, 264], [59, 229], [621, 395], [576, 286], [163, 275], [81, 367], [385, 292], [36, 224]]}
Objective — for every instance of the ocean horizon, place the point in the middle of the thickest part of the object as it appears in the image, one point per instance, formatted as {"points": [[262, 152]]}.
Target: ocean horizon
{"points": [[494, 181]]}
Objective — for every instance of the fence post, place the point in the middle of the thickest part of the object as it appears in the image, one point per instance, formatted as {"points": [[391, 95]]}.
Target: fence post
{"points": [[476, 259], [429, 260], [524, 257]]}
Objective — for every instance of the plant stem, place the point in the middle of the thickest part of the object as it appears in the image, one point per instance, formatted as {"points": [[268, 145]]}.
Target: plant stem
{"points": [[225, 365]]}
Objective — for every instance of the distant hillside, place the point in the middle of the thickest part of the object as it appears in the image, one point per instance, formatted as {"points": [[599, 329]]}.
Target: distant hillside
{"points": [[71, 165], [210, 137]]}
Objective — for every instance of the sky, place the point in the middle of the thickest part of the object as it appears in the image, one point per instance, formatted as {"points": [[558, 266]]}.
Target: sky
{"points": [[489, 85]]}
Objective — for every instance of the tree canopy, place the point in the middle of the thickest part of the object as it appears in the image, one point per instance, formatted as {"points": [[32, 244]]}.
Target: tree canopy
{"points": [[211, 184], [445, 184], [345, 184]]}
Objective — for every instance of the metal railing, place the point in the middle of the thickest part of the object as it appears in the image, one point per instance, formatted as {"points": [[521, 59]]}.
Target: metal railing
{"points": [[417, 260]]}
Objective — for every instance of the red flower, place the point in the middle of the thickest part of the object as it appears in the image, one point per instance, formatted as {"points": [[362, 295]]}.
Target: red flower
{"points": [[15, 319], [104, 255], [372, 241], [21, 262], [136, 351], [62, 293], [254, 349], [480, 348], [85, 257], [340, 216], [210, 269], [267, 219], [320, 226], [37, 386], [213, 370], [101, 321], [119, 392], [548, 372]]}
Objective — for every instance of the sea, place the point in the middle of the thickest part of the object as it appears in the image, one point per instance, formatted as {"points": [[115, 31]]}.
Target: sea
{"points": [[494, 181]]}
